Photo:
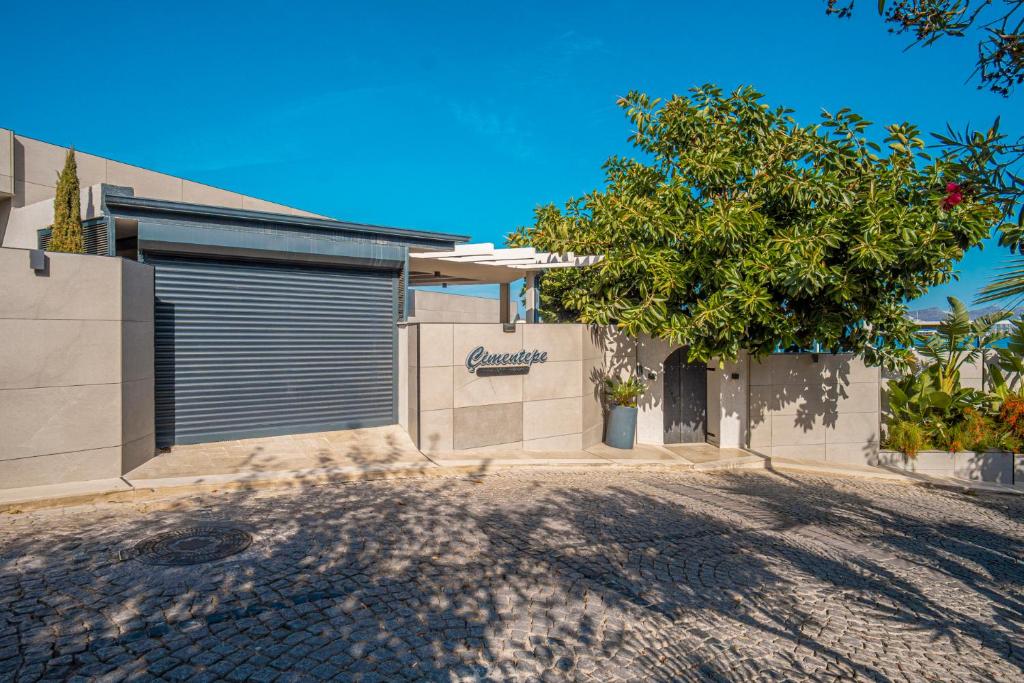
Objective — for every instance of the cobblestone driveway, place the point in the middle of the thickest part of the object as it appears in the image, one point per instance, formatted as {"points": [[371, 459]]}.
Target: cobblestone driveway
{"points": [[597, 575]]}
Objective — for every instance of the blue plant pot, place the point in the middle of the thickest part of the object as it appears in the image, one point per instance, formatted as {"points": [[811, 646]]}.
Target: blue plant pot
{"points": [[621, 432]]}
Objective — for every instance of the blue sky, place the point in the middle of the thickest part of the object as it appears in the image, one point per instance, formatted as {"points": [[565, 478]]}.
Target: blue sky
{"points": [[459, 117]]}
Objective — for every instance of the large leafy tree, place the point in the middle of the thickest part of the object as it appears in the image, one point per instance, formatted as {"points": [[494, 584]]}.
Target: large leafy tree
{"points": [[738, 228], [990, 162]]}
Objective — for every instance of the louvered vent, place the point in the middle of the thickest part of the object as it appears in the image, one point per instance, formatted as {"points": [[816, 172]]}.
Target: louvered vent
{"points": [[400, 314], [94, 235]]}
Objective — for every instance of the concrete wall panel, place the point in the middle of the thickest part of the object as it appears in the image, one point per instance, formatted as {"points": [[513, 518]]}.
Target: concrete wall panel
{"points": [[40, 163], [61, 419], [6, 164], [473, 390], [145, 183], [136, 350], [33, 179], [26, 194], [859, 397], [433, 307], [651, 355], [405, 365], [135, 453], [560, 379], [436, 430], [46, 353], [76, 287], [76, 368], [560, 410], [560, 342], [59, 468], [437, 390], [476, 426], [137, 292], [195, 193], [803, 451], [557, 417], [139, 414], [491, 337], [815, 406], [436, 345]]}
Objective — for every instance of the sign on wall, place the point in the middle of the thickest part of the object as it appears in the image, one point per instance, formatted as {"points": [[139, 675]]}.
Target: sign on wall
{"points": [[485, 364]]}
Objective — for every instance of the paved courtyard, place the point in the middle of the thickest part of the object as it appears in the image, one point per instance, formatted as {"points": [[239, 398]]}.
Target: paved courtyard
{"points": [[594, 575]]}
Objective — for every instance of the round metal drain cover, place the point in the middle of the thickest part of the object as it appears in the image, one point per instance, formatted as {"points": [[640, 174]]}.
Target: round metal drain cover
{"points": [[192, 545]]}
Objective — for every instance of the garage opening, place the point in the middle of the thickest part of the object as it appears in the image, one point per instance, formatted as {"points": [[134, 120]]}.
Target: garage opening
{"points": [[251, 348]]}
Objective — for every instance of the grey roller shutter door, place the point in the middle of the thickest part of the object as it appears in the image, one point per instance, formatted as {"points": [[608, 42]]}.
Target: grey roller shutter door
{"points": [[247, 349]]}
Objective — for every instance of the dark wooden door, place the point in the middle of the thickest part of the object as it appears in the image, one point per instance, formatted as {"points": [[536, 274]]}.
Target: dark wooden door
{"points": [[686, 399]]}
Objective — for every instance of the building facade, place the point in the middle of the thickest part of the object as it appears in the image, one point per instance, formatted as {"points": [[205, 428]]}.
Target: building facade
{"points": [[202, 315]]}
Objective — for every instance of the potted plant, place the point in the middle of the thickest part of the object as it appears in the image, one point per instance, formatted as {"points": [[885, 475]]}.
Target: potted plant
{"points": [[622, 395]]}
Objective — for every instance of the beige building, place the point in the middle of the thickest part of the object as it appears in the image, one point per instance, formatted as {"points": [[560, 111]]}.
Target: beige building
{"points": [[202, 315], [28, 180]]}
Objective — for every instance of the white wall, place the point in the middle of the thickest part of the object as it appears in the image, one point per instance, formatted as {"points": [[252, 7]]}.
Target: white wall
{"points": [[728, 389], [727, 396]]}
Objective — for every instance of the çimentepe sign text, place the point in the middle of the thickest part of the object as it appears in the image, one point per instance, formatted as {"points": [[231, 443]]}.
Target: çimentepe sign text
{"points": [[517, 363]]}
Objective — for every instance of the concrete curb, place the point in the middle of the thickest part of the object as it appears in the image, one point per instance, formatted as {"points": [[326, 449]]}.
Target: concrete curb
{"points": [[900, 477], [140, 490], [751, 462]]}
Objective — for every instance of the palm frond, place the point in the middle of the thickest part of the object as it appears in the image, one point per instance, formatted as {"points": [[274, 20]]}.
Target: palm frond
{"points": [[1008, 285]]}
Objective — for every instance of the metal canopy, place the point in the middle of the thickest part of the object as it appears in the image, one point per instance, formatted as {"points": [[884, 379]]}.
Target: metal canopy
{"points": [[483, 264]]}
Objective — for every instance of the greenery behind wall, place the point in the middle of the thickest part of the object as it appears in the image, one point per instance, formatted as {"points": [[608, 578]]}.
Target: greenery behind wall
{"points": [[929, 409], [66, 233]]}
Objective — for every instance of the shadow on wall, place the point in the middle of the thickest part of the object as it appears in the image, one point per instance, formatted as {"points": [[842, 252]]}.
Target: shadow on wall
{"points": [[462, 577], [796, 384], [618, 352]]}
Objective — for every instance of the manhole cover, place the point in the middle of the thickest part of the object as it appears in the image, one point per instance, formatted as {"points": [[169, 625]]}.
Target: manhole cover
{"points": [[192, 545]]}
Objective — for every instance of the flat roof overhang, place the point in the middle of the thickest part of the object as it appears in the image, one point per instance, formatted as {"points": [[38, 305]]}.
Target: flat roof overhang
{"points": [[467, 264], [120, 203]]}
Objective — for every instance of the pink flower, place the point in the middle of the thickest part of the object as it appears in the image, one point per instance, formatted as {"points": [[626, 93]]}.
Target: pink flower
{"points": [[954, 195]]}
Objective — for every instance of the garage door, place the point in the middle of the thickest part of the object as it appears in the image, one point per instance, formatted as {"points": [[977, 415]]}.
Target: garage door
{"points": [[246, 349]]}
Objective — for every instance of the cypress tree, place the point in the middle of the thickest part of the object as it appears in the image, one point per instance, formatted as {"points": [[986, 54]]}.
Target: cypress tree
{"points": [[67, 211]]}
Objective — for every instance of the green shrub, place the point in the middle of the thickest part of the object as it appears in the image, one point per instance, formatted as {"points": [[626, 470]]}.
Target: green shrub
{"points": [[906, 437], [624, 392]]}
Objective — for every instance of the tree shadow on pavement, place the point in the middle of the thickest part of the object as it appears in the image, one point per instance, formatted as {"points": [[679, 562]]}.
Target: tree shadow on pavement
{"points": [[529, 575]]}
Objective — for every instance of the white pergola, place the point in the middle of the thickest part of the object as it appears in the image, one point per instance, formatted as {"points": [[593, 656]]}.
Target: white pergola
{"points": [[472, 264]]}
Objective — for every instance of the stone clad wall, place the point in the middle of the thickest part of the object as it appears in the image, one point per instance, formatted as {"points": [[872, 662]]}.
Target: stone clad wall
{"points": [[76, 368], [815, 407], [823, 407], [554, 407]]}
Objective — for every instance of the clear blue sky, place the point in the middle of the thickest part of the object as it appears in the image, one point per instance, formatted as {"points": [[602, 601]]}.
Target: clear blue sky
{"points": [[450, 116]]}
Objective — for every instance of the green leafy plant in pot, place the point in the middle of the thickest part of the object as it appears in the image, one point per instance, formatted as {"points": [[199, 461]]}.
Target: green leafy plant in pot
{"points": [[622, 395]]}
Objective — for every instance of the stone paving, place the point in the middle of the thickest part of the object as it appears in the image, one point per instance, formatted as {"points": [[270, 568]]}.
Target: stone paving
{"points": [[599, 575]]}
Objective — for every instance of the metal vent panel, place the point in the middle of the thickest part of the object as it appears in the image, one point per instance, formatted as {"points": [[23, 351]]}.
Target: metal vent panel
{"points": [[247, 349], [94, 238]]}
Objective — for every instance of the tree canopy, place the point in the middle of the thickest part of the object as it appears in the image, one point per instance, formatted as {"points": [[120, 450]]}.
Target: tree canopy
{"points": [[998, 26], [738, 228], [989, 161]]}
